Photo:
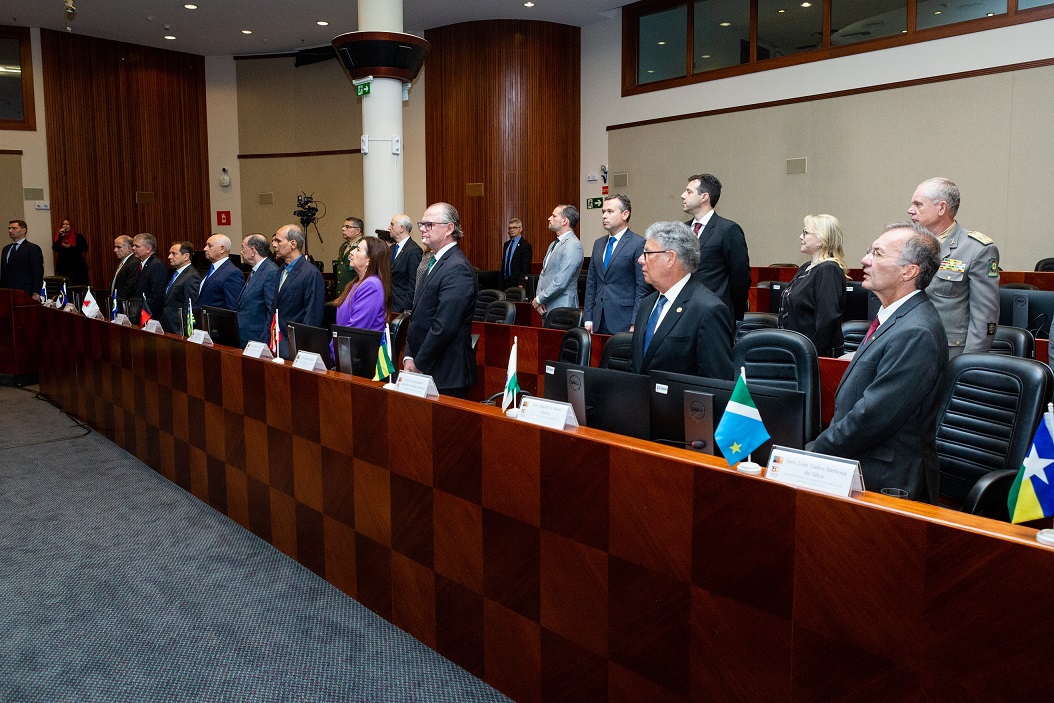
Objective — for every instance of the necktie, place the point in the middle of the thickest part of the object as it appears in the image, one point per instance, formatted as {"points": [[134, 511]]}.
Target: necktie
{"points": [[508, 258], [431, 263], [607, 252], [211, 269], [870, 330], [552, 246], [653, 321], [696, 227], [395, 252], [12, 250], [171, 281], [285, 275]]}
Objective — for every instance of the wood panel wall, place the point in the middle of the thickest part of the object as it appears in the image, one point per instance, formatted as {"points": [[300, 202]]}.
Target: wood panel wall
{"points": [[503, 109], [123, 118]]}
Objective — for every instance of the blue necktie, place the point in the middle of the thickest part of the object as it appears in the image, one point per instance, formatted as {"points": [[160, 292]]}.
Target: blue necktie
{"points": [[170, 282], [211, 269], [395, 251], [607, 252], [653, 321], [508, 257]]}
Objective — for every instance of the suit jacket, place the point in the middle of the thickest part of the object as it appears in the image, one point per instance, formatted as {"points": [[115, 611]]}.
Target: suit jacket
{"points": [[223, 288], [967, 299], [520, 266], [123, 285], [25, 270], [613, 296], [152, 282], [558, 281], [404, 275], [300, 299], [695, 336], [885, 410], [182, 293], [439, 338], [724, 266], [256, 303]]}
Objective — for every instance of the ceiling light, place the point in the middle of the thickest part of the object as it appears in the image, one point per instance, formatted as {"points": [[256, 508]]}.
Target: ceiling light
{"points": [[726, 24], [991, 14], [806, 4], [662, 43], [705, 56], [781, 11], [169, 36], [651, 71], [937, 12], [247, 31], [322, 23], [191, 7], [528, 4]]}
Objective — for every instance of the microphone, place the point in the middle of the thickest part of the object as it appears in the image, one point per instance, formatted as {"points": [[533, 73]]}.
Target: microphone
{"points": [[696, 444]]}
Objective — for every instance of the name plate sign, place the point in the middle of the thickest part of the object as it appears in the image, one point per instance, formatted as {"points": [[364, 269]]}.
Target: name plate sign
{"points": [[257, 350], [816, 472], [153, 326], [122, 320], [548, 413], [416, 384], [200, 337], [308, 361]]}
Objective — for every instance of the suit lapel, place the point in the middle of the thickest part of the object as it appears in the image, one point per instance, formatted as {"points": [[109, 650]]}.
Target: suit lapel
{"points": [[708, 231], [674, 309], [882, 330]]}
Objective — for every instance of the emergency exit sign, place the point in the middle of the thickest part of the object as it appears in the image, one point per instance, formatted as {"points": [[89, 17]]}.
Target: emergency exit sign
{"points": [[362, 89], [594, 203]]}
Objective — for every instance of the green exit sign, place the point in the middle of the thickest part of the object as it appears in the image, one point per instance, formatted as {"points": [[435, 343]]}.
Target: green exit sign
{"points": [[594, 203], [362, 89]]}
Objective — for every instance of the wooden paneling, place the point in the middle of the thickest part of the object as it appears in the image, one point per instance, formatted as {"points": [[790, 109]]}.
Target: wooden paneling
{"points": [[123, 118], [503, 110]]}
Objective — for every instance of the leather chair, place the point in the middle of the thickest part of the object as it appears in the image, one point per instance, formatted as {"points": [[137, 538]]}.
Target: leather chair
{"points": [[397, 328], [1045, 264], [1014, 341], [1019, 286], [484, 298], [563, 318], [502, 312], [989, 412], [576, 347], [77, 294], [516, 294], [756, 321], [618, 352], [53, 285], [853, 333], [783, 359]]}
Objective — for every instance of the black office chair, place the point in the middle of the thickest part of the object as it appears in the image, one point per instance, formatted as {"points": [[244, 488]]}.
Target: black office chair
{"points": [[1019, 286], [1045, 264], [53, 285], [784, 359], [397, 327], [1014, 341], [77, 294], [618, 352], [484, 298], [576, 347], [516, 294], [502, 312], [853, 333], [988, 416], [756, 321], [563, 318], [784, 266]]}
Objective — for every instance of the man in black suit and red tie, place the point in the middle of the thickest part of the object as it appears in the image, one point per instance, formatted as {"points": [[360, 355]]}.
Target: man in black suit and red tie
{"points": [[516, 257], [724, 266], [21, 262]]}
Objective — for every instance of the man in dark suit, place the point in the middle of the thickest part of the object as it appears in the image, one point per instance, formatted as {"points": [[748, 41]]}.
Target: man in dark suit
{"points": [[256, 302], [682, 327], [301, 294], [21, 262], [439, 340], [516, 257], [123, 284], [406, 256], [724, 266], [153, 275], [182, 289], [223, 283], [885, 410], [615, 281]]}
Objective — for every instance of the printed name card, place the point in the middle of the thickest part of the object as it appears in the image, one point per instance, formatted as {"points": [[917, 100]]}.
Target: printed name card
{"points": [[200, 337], [122, 320], [548, 413], [416, 384], [257, 350], [308, 361], [817, 472], [153, 326]]}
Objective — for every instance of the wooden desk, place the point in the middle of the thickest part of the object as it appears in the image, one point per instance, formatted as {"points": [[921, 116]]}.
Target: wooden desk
{"points": [[19, 338], [574, 566]]}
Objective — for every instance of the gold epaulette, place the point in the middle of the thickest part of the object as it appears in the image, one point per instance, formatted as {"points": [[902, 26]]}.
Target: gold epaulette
{"points": [[982, 238]]}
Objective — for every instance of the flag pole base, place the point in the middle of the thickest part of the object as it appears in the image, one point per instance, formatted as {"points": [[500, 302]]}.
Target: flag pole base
{"points": [[512, 412], [1045, 537], [749, 467]]}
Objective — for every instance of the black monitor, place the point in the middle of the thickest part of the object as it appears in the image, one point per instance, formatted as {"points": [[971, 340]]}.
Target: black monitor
{"points": [[781, 409], [221, 324], [614, 401], [132, 308], [1032, 310], [303, 337], [856, 302], [356, 350]]}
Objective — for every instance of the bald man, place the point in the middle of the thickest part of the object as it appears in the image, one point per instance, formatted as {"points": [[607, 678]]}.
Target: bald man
{"points": [[222, 285], [406, 257]]}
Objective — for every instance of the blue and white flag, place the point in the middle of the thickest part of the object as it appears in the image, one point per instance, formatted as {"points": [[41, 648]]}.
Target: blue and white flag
{"points": [[740, 430]]}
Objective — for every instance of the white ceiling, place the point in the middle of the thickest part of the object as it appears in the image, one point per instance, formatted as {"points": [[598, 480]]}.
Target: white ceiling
{"points": [[215, 28]]}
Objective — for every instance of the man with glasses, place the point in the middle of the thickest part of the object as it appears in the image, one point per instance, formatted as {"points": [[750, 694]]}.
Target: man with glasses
{"points": [[558, 281], [351, 231], [439, 339], [516, 257], [682, 327], [406, 256], [885, 410]]}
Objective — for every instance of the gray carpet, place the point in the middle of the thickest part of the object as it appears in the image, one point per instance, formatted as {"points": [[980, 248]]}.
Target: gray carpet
{"points": [[116, 585]]}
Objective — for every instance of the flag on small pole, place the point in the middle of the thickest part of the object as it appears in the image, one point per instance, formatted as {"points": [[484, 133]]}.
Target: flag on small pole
{"points": [[190, 318], [62, 297], [1032, 495], [43, 292], [113, 308], [512, 384], [740, 430], [384, 357], [276, 334], [90, 308], [147, 314]]}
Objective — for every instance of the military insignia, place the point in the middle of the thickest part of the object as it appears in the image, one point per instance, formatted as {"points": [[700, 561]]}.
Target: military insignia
{"points": [[982, 238], [679, 309], [991, 328], [993, 268], [957, 265]]}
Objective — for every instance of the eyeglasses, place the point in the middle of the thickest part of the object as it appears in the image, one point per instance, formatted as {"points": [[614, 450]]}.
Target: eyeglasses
{"points": [[646, 253], [427, 226], [876, 254], [349, 227]]}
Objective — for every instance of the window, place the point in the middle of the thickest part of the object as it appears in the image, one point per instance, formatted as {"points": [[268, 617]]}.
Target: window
{"points": [[662, 44], [722, 34], [16, 80]]}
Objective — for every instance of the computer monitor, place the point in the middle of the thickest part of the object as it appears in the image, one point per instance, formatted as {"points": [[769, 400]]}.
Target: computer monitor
{"points": [[782, 410], [1032, 310], [221, 324], [303, 337], [356, 350], [132, 308], [614, 401], [856, 302]]}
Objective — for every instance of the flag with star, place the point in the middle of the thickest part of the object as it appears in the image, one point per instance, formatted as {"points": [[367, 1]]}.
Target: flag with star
{"points": [[1032, 495], [740, 430], [385, 368]]}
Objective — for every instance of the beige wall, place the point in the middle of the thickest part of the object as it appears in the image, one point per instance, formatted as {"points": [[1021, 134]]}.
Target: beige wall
{"points": [[11, 204]]}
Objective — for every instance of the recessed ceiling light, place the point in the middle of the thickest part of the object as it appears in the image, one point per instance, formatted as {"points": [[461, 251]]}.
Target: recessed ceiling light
{"points": [[662, 43], [169, 36], [937, 12], [781, 11], [191, 7], [806, 4], [651, 71], [705, 56], [322, 23], [247, 31], [726, 24], [528, 4], [991, 14]]}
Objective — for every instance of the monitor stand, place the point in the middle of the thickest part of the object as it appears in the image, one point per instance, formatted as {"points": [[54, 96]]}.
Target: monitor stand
{"points": [[699, 420], [576, 394]]}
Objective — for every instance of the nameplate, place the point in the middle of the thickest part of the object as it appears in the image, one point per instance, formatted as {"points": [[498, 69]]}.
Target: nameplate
{"points": [[122, 320], [200, 337], [257, 350], [416, 384], [816, 472], [70, 307], [153, 326], [548, 413], [308, 361]]}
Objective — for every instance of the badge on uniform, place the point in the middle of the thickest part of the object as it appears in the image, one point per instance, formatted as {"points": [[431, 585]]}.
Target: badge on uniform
{"points": [[993, 269], [957, 265], [991, 328]]}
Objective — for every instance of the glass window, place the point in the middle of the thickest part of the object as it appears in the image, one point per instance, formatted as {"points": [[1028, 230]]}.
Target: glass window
{"points": [[663, 45], [1026, 4], [722, 34], [11, 80], [937, 13], [854, 21], [788, 27]]}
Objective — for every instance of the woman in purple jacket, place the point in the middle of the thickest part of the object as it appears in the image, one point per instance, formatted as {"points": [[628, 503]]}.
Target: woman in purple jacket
{"points": [[366, 304]]}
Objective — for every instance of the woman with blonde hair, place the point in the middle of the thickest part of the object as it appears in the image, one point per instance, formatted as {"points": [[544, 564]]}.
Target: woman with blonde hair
{"points": [[813, 302]]}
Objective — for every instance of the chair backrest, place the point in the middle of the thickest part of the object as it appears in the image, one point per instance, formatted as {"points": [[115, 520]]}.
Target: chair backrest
{"points": [[576, 347], [563, 318], [53, 285], [853, 333], [484, 298], [1014, 341], [784, 359], [618, 352], [501, 311], [990, 407], [1045, 264], [77, 294], [132, 308], [516, 294], [398, 327], [1019, 286], [756, 321]]}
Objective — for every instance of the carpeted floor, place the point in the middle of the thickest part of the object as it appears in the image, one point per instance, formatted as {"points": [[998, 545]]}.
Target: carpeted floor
{"points": [[116, 585]]}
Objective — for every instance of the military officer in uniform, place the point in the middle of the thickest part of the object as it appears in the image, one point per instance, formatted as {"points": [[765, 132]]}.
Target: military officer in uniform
{"points": [[965, 289]]}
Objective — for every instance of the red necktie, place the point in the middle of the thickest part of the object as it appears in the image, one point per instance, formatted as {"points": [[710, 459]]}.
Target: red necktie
{"points": [[696, 227], [870, 330]]}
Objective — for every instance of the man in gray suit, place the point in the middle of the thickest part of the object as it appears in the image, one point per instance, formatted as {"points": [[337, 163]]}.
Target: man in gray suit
{"points": [[885, 410], [256, 304], [182, 290], [558, 281], [615, 282]]}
